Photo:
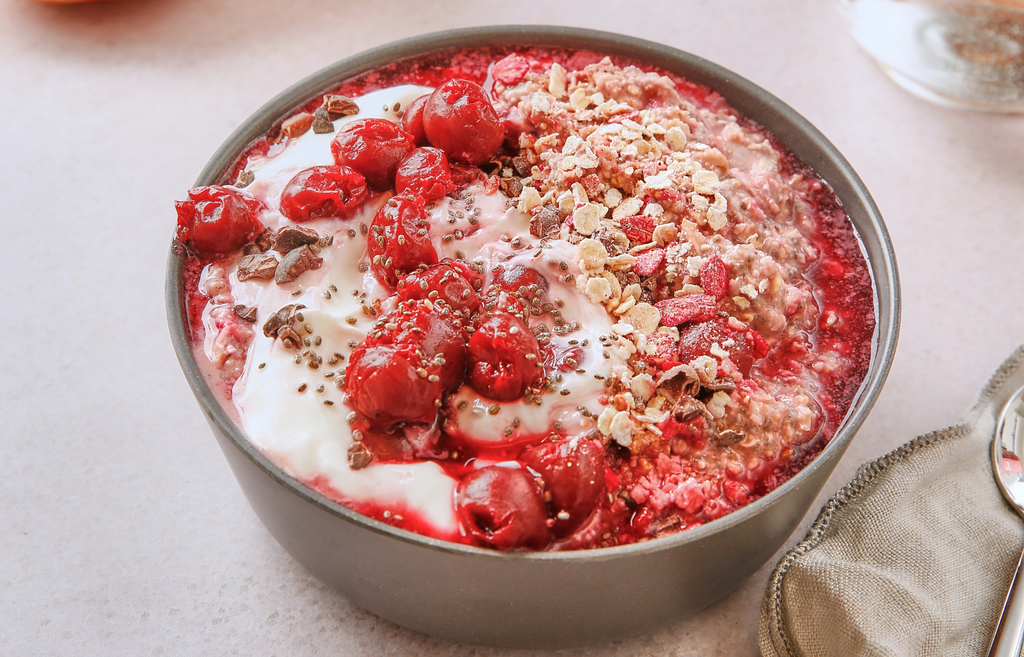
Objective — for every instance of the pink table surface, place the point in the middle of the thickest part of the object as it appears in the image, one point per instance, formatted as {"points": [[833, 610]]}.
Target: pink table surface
{"points": [[122, 531]]}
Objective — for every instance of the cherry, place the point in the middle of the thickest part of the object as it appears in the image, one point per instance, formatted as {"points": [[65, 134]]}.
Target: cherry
{"points": [[217, 220], [384, 384], [522, 280], [424, 172], [447, 281], [412, 120], [745, 347], [503, 508], [323, 191], [399, 241], [573, 479], [504, 358], [500, 300], [373, 147], [460, 120], [435, 331]]}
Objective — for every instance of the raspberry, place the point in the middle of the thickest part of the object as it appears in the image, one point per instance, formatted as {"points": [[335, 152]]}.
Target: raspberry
{"points": [[424, 172], [504, 358], [373, 147], [503, 508], [714, 277], [323, 191], [639, 228], [218, 220], [460, 120], [396, 244], [648, 262], [412, 120], [446, 281], [384, 383], [687, 308], [573, 480]]}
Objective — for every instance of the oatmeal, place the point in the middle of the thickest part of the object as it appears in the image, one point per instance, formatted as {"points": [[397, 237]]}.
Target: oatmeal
{"points": [[533, 300]]}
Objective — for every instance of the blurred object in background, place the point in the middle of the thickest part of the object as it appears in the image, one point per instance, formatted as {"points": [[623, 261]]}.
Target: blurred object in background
{"points": [[958, 53]]}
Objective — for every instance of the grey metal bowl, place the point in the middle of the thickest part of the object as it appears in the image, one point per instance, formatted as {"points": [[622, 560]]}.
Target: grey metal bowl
{"points": [[475, 595]]}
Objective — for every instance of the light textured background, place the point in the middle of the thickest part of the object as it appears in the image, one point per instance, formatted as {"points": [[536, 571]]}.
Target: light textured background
{"points": [[122, 531]]}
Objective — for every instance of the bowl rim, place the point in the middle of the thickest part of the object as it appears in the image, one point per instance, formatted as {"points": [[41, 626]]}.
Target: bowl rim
{"points": [[699, 70]]}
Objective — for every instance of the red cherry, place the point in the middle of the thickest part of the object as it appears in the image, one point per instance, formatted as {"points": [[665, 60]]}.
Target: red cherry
{"points": [[383, 383], [460, 120], [424, 172], [412, 120], [503, 508], [573, 478], [744, 346], [450, 281], [324, 191], [373, 147], [434, 331], [218, 220], [523, 281], [504, 358], [396, 245]]}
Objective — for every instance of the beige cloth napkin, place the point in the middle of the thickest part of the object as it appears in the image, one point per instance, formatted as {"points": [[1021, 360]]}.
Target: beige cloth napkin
{"points": [[912, 557]]}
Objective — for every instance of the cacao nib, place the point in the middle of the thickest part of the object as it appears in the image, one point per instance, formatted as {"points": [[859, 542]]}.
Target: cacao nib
{"points": [[521, 165], [257, 265], [246, 313], [245, 178], [358, 456], [283, 317], [730, 437], [322, 122], [545, 223], [264, 240], [289, 338], [297, 125], [295, 263], [511, 187], [290, 238]]}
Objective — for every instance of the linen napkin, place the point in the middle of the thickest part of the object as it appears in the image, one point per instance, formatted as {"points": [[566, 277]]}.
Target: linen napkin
{"points": [[912, 557]]}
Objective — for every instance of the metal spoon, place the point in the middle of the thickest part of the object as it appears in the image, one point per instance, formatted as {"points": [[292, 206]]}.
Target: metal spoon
{"points": [[1007, 449]]}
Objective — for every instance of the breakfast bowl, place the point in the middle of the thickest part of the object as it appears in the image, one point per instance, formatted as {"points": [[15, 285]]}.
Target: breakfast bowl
{"points": [[551, 595]]}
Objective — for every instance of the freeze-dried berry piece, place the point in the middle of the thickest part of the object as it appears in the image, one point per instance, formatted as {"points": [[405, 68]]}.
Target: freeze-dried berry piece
{"points": [[292, 237], [687, 308], [260, 265], [217, 220], [503, 508], [638, 228], [662, 347], [396, 245], [510, 70], [714, 277], [324, 191], [295, 263], [374, 148], [648, 261]]}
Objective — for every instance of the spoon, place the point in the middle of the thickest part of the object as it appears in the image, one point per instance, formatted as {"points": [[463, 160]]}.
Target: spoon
{"points": [[1007, 448]]}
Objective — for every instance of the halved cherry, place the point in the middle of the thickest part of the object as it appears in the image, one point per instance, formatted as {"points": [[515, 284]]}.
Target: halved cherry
{"points": [[745, 346], [373, 147], [385, 384], [217, 220], [424, 172], [503, 508], [398, 242], [324, 191], [574, 478], [504, 358], [412, 120], [460, 120], [448, 281]]}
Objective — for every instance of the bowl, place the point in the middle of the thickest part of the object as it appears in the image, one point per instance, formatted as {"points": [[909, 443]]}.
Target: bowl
{"points": [[544, 599]]}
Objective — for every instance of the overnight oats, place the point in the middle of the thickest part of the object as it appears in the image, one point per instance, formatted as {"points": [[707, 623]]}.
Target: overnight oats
{"points": [[536, 300]]}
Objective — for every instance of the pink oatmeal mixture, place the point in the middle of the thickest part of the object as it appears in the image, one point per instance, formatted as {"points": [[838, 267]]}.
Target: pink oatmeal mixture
{"points": [[645, 313]]}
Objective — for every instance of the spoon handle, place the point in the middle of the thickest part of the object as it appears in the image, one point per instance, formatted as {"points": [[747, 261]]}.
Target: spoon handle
{"points": [[1006, 642]]}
